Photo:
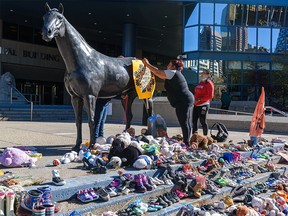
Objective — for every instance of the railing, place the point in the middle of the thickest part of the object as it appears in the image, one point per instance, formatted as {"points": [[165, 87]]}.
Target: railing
{"points": [[222, 111], [31, 103], [33, 97], [275, 110]]}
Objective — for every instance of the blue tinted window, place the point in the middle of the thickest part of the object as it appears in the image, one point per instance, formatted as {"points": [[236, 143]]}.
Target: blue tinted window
{"points": [[206, 13], [221, 14], [191, 39], [191, 14]]}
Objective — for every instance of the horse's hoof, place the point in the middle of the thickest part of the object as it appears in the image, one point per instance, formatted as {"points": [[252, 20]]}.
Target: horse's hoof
{"points": [[76, 149]]}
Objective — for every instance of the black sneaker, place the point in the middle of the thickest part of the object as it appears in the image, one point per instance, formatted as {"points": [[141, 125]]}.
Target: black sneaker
{"points": [[161, 202], [170, 198], [174, 195], [56, 179], [103, 194], [166, 200]]}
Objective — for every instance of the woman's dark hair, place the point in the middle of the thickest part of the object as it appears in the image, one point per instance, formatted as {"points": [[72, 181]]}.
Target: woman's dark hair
{"points": [[206, 71], [178, 63]]}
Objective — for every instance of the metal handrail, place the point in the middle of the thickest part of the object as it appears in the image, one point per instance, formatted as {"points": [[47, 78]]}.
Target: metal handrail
{"points": [[246, 113], [31, 102], [231, 111], [276, 110]]}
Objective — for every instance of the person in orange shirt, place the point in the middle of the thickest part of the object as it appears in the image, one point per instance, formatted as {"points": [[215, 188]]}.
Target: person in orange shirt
{"points": [[204, 92]]}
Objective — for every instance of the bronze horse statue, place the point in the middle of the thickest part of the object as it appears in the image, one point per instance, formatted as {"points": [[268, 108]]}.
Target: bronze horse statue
{"points": [[89, 74]]}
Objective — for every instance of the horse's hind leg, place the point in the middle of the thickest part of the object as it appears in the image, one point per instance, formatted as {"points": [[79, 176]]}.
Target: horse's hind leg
{"points": [[77, 104], [127, 101], [90, 104]]}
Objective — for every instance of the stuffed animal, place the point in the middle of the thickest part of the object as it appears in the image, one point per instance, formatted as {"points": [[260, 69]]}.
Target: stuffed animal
{"points": [[101, 140], [128, 155], [143, 162], [245, 211], [270, 206], [199, 141], [258, 205], [14, 157], [69, 157], [115, 162], [125, 138], [167, 151]]}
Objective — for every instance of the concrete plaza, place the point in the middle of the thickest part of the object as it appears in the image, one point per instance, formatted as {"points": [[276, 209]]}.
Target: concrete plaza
{"points": [[54, 139]]}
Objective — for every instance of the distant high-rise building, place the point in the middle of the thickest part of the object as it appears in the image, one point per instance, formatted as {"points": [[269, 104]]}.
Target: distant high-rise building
{"points": [[282, 41]]}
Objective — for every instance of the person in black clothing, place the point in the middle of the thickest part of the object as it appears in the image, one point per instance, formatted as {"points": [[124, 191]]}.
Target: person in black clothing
{"points": [[178, 93], [225, 99]]}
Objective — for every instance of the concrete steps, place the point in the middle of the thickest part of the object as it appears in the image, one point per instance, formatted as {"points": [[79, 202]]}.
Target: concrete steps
{"points": [[66, 194], [22, 112]]}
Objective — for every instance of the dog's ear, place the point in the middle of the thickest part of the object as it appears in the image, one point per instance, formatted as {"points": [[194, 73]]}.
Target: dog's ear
{"points": [[122, 145], [116, 143]]}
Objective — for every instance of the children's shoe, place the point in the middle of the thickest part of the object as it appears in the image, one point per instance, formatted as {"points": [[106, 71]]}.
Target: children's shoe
{"points": [[169, 202], [38, 210], [84, 196], [2, 202], [111, 191], [10, 198], [47, 196], [197, 190], [57, 180], [30, 199], [145, 182], [151, 182], [49, 209], [103, 194], [139, 184]]}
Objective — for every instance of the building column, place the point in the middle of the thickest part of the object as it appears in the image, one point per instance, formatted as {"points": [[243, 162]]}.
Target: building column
{"points": [[129, 40], [1, 35], [1, 29]]}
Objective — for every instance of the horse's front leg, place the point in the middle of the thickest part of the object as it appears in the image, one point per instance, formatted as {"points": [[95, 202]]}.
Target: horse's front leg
{"points": [[90, 104], [77, 104]]}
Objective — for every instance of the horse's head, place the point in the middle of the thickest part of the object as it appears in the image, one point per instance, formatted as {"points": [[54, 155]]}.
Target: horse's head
{"points": [[53, 25]]}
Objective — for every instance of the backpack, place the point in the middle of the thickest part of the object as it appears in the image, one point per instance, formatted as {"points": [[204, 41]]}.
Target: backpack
{"points": [[222, 133], [157, 126]]}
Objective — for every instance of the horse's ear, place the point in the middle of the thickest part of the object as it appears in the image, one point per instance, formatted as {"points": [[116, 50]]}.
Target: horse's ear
{"points": [[61, 8], [47, 7]]}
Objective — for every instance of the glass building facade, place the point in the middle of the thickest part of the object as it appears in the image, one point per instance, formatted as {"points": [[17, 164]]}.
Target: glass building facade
{"points": [[245, 46]]}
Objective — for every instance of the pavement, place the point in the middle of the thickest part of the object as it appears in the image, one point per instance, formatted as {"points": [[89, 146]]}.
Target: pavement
{"points": [[54, 139]]}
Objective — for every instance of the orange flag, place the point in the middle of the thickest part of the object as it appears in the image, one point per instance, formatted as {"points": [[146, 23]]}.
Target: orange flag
{"points": [[258, 120]]}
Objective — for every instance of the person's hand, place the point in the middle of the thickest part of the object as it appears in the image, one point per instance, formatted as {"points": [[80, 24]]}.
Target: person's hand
{"points": [[145, 61]]}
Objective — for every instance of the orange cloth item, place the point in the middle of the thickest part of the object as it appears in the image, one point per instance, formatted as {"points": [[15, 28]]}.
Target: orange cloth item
{"points": [[258, 120]]}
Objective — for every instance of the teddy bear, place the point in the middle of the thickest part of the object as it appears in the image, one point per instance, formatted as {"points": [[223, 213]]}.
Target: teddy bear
{"points": [[14, 157], [127, 153], [200, 141]]}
